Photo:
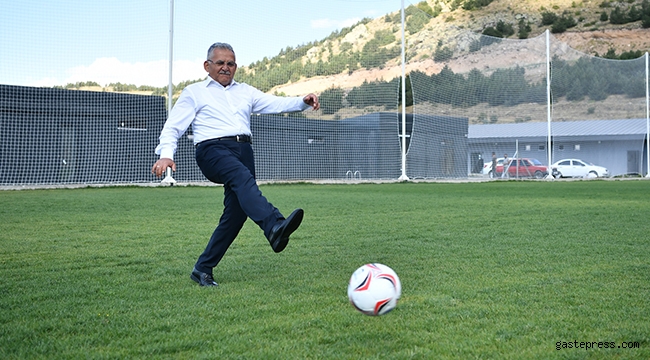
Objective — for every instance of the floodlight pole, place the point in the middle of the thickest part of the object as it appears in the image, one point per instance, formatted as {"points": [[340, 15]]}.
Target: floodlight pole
{"points": [[403, 177]]}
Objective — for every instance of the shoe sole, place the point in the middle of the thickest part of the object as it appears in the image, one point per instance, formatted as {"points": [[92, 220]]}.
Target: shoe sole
{"points": [[295, 219], [195, 278]]}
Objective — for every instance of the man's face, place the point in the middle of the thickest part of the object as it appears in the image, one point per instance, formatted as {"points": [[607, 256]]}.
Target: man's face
{"points": [[221, 66]]}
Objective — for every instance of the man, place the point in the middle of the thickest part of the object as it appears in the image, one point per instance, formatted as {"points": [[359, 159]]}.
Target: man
{"points": [[219, 110]]}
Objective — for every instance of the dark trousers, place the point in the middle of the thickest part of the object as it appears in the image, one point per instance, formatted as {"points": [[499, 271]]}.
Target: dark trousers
{"points": [[232, 164]]}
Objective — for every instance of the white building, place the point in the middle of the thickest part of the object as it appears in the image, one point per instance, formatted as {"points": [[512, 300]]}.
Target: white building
{"points": [[619, 145]]}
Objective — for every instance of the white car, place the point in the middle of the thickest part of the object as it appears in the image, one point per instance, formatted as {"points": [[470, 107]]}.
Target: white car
{"points": [[577, 168], [487, 167]]}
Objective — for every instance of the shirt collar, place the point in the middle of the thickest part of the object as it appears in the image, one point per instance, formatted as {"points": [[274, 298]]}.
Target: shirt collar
{"points": [[209, 81]]}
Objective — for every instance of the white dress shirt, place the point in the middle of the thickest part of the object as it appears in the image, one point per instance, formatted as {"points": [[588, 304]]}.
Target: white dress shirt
{"points": [[216, 111]]}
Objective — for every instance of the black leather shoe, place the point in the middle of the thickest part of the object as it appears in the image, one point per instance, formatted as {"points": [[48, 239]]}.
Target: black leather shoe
{"points": [[204, 279], [279, 237]]}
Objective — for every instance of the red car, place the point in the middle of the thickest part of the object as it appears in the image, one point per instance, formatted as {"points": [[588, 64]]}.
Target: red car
{"points": [[524, 167]]}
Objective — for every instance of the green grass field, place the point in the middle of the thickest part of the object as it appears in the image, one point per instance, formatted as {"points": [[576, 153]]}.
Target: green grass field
{"points": [[495, 270]]}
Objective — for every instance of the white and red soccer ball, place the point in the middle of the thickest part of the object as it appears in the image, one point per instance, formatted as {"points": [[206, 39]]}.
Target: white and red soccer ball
{"points": [[374, 289]]}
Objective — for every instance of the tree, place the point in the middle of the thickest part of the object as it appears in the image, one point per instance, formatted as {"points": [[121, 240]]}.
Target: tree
{"points": [[645, 14], [505, 29], [422, 5], [563, 23], [634, 14], [524, 29], [443, 53], [416, 21], [617, 16], [380, 93], [604, 16], [645, 21], [332, 100], [408, 91], [476, 4], [548, 18]]}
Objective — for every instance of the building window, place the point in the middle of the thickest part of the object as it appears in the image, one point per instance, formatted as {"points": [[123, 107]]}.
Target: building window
{"points": [[316, 140], [541, 148], [527, 147], [560, 147], [576, 147], [132, 124]]}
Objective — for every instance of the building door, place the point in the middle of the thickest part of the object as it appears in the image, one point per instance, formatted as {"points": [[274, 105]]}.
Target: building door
{"points": [[476, 162], [633, 161], [447, 157], [67, 161]]}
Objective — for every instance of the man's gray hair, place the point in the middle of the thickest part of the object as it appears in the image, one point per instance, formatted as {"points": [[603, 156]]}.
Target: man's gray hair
{"points": [[219, 45]]}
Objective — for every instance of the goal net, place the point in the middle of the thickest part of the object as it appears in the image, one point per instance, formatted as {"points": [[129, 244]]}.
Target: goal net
{"points": [[92, 111]]}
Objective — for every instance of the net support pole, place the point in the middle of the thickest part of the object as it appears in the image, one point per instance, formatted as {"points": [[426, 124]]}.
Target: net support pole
{"points": [[548, 105], [168, 179], [647, 116], [170, 84], [403, 177]]}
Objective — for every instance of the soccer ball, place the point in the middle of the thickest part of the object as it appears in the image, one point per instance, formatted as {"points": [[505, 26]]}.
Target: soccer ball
{"points": [[374, 289]]}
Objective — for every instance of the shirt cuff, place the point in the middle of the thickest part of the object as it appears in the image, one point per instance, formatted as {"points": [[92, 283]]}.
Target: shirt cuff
{"points": [[167, 153]]}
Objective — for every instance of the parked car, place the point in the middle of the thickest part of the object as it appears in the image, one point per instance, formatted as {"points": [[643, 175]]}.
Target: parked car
{"points": [[577, 168], [487, 167], [523, 167]]}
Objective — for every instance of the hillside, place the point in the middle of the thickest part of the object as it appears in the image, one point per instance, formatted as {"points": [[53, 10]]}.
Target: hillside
{"points": [[591, 36], [343, 59]]}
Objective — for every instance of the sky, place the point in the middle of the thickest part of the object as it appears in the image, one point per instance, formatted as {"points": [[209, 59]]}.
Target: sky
{"points": [[56, 42]]}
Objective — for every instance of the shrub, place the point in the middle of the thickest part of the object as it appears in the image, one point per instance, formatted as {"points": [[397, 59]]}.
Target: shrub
{"points": [[505, 29], [634, 14], [443, 53], [476, 4], [563, 23], [629, 55], [558, 28], [617, 16], [524, 29], [645, 21], [490, 31], [548, 18]]}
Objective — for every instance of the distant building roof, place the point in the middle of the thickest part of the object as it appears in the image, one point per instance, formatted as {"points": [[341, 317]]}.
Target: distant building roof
{"points": [[587, 129]]}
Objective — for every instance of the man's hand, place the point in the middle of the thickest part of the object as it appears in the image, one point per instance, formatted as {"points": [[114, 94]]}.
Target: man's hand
{"points": [[160, 167], [312, 100]]}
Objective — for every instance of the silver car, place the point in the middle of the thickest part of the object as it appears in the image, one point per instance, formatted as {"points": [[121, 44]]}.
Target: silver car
{"points": [[577, 168]]}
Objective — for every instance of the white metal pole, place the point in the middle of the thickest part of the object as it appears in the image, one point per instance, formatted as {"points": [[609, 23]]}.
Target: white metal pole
{"points": [[647, 116], [170, 84], [516, 158], [403, 177], [548, 103], [168, 179]]}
